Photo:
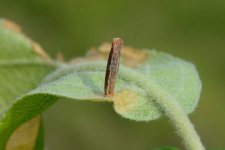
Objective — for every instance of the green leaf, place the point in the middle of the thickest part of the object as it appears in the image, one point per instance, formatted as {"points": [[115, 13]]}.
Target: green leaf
{"points": [[85, 81], [23, 65], [21, 69], [178, 77], [137, 89]]}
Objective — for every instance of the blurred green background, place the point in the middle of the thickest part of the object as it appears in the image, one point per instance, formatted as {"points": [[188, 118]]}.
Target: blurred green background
{"points": [[190, 29]]}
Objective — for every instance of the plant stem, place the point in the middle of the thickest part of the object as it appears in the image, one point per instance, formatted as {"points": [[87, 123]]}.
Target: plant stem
{"points": [[170, 107], [180, 121]]}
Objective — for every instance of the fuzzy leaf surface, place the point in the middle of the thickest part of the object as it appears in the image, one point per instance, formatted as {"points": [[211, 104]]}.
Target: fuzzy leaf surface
{"points": [[85, 81]]}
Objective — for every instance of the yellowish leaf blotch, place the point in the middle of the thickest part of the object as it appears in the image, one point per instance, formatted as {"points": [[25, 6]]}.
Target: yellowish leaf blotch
{"points": [[24, 137]]}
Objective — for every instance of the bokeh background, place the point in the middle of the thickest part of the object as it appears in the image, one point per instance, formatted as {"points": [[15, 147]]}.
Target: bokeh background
{"points": [[190, 29]]}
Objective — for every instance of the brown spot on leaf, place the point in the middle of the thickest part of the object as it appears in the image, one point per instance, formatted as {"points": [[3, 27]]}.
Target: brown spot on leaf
{"points": [[36, 47], [11, 26], [40, 52], [24, 137], [129, 56]]}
